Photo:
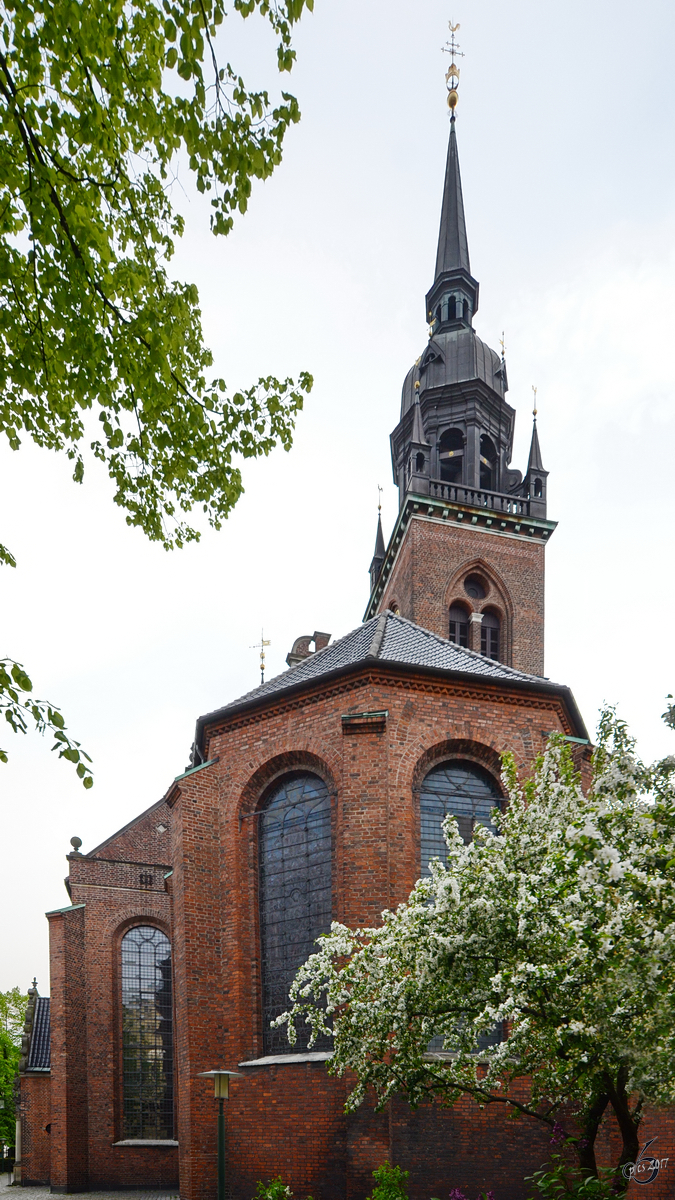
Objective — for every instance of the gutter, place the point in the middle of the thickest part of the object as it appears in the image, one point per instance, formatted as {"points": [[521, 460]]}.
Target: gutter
{"points": [[541, 686]]}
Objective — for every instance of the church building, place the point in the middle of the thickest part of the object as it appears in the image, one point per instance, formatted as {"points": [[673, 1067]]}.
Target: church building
{"points": [[317, 796]]}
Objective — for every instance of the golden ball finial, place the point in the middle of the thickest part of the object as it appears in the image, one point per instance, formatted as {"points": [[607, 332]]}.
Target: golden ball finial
{"points": [[453, 98]]}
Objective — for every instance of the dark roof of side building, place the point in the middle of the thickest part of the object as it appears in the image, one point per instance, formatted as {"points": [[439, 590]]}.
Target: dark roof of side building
{"points": [[394, 641], [39, 1053]]}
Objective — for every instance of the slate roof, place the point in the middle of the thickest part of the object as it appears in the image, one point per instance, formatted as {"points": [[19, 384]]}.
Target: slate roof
{"points": [[39, 1055], [390, 639]]}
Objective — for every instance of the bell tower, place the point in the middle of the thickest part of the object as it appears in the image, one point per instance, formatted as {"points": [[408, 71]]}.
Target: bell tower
{"points": [[466, 556]]}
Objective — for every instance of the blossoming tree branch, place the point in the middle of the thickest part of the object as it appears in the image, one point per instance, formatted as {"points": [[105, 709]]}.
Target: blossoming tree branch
{"points": [[559, 932]]}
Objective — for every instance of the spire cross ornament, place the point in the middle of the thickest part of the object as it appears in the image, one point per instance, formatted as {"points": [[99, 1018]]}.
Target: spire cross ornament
{"points": [[452, 73], [261, 647]]}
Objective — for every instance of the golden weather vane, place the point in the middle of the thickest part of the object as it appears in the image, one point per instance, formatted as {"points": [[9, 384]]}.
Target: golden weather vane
{"points": [[452, 73], [534, 394], [261, 647], [502, 343]]}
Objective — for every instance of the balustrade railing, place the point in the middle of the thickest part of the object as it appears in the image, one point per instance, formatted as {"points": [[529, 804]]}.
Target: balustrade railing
{"points": [[497, 501]]}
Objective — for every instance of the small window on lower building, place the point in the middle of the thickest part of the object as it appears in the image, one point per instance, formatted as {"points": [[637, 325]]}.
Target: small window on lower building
{"points": [[459, 626], [489, 636]]}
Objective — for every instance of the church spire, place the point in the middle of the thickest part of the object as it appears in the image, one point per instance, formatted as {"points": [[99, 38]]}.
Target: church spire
{"points": [[453, 246], [453, 298]]}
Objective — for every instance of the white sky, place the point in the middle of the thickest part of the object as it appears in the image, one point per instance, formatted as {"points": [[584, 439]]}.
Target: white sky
{"points": [[566, 142]]}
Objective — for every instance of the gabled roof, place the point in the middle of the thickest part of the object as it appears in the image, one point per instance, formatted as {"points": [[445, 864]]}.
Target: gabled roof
{"points": [[391, 640], [39, 1054]]}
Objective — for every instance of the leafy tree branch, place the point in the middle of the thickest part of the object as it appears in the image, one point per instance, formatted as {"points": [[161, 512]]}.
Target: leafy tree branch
{"points": [[21, 710]]}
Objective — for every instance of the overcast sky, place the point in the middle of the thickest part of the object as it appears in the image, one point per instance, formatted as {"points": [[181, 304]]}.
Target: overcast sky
{"points": [[566, 144]]}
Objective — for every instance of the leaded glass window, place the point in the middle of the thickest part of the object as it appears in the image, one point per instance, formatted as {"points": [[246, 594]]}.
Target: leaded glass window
{"points": [[460, 788], [470, 794], [147, 1034], [295, 895]]}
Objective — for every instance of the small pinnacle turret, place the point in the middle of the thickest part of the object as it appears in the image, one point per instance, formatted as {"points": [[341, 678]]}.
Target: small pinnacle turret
{"points": [[378, 556]]}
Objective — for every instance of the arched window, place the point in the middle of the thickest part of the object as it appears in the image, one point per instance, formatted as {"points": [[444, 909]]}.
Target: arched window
{"points": [[489, 636], [419, 462], [451, 455], [488, 463], [147, 1034], [295, 895], [459, 626], [463, 789], [537, 488], [470, 794], [452, 308]]}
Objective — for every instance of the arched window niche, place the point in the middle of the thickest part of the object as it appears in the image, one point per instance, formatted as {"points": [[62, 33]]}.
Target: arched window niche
{"points": [[458, 631], [147, 1035], [295, 874], [470, 794]]}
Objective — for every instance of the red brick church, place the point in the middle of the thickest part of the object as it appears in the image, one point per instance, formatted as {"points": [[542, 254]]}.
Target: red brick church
{"points": [[317, 796]]}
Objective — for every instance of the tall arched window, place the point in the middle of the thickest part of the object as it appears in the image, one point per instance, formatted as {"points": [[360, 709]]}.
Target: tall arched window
{"points": [[295, 895], [470, 794], [489, 636], [488, 463], [451, 455], [460, 788], [147, 1034]]}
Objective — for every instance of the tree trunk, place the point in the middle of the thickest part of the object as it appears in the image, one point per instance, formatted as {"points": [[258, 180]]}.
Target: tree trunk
{"points": [[590, 1123], [628, 1122]]}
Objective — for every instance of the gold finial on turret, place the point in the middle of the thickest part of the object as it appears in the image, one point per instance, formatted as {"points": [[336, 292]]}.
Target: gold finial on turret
{"points": [[534, 393], [452, 73]]}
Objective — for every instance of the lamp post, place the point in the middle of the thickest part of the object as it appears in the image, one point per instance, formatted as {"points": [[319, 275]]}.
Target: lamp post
{"points": [[221, 1082]]}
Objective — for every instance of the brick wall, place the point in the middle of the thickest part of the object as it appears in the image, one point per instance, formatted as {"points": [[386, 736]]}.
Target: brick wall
{"points": [[288, 1118], [109, 896], [435, 557]]}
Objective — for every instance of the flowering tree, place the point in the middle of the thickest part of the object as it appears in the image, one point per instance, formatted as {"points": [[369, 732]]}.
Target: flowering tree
{"points": [[560, 930]]}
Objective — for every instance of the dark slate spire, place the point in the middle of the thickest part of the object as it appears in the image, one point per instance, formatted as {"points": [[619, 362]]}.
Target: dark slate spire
{"points": [[453, 247], [378, 556], [534, 483], [534, 462], [453, 299]]}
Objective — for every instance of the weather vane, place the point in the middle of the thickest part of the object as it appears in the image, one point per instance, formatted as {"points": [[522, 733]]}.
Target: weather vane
{"points": [[534, 394], [261, 647], [452, 73], [379, 498], [502, 343]]}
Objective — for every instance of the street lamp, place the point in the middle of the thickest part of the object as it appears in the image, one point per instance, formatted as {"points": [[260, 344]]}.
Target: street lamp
{"points": [[221, 1082]]}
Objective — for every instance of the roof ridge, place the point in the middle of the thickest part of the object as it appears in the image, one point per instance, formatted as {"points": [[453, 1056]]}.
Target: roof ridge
{"points": [[378, 636]]}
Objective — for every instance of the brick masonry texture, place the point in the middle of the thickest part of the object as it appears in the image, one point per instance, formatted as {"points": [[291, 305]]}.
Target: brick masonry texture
{"points": [[285, 1118], [428, 577]]}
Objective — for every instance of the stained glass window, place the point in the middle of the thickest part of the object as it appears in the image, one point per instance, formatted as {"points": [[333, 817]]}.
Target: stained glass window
{"points": [[147, 1034], [470, 794], [295, 895]]}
